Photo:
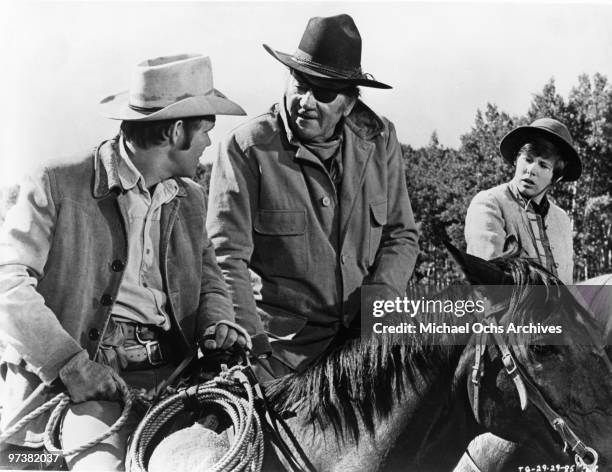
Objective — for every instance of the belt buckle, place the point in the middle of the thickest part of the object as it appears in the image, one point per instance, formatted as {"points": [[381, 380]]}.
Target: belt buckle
{"points": [[154, 353], [476, 375], [153, 348], [509, 363]]}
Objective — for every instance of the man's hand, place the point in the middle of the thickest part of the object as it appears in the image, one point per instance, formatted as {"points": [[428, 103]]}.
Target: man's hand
{"points": [[88, 380], [226, 334]]}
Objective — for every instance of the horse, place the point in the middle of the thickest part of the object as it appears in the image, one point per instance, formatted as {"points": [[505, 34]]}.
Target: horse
{"points": [[493, 454], [381, 401]]}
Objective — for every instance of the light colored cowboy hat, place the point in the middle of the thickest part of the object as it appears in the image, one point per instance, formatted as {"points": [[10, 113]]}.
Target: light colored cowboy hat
{"points": [[550, 129], [330, 50], [169, 88]]}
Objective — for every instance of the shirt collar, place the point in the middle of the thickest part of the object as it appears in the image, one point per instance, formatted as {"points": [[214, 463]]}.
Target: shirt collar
{"points": [[129, 175], [106, 170], [541, 208]]}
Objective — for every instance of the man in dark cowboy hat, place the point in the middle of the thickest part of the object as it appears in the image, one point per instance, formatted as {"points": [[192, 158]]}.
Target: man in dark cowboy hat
{"points": [[311, 197], [106, 268], [543, 155]]}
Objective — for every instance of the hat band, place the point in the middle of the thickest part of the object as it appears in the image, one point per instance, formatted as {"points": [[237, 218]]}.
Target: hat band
{"points": [[145, 110], [306, 59]]}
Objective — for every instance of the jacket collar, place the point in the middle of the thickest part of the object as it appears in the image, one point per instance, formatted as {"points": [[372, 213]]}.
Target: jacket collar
{"points": [[281, 109], [364, 122], [541, 208], [129, 175], [106, 171]]}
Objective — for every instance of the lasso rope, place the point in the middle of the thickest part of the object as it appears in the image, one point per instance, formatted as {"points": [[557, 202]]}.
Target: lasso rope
{"points": [[59, 403], [246, 451]]}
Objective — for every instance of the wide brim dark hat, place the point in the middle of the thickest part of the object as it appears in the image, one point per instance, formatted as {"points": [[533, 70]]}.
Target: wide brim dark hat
{"points": [[552, 130], [330, 50]]}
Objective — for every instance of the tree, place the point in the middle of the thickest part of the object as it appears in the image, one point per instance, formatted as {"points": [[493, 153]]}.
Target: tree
{"points": [[596, 245], [430, 173]]}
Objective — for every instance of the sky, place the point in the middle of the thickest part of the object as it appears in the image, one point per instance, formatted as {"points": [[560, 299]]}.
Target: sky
{"points": [[444, 60]]}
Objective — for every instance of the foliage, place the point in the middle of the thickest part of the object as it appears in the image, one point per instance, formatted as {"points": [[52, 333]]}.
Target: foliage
{"points": [[203, 176], [442, 180]]}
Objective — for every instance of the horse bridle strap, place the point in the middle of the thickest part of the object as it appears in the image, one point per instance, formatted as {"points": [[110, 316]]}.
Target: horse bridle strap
{"points": [[570, 439], [585, 456], [272, 421], [507, 359]]}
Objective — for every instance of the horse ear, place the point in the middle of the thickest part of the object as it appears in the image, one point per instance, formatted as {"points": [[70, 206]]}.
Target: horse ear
{"points": [[477, 270], [512, 248]]}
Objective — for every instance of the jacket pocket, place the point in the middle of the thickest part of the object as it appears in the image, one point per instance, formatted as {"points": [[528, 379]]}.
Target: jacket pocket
{"points": [[378, 219], [279, 324], [280, 243]]}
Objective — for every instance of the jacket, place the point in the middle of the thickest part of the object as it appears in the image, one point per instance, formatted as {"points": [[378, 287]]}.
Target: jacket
{"points": [[68, 232], [274, 210], [499, 214]]}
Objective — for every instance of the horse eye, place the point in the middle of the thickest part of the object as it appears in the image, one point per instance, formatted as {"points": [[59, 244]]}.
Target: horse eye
{"points": [[544, 350]]}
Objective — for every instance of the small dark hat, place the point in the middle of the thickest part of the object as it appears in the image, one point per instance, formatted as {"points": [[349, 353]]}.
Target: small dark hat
{"points": [[330, 50], [550, 129]]}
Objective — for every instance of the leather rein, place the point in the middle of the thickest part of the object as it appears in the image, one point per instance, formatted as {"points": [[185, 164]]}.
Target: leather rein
{"points": [[585, 457]]}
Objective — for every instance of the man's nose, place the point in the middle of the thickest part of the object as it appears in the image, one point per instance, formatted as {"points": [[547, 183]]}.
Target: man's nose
{"points": [[307, 100]]}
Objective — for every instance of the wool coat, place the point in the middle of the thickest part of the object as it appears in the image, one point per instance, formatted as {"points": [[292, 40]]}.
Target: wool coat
{"points": [[274, 211], [498, 215]]}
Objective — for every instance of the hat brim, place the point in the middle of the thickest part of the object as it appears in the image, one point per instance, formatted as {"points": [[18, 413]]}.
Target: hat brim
{"points": [[116, 107], [290, 61], [515, 139]]}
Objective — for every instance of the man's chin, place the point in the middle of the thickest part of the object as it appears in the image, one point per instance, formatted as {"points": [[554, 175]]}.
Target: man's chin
{"points": [[306, 133], [527, 192]]}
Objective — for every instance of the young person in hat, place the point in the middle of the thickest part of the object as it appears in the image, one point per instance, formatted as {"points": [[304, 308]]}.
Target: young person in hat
{"points": [[519, 214], [519, 211], [106, 268], [311, 197]]}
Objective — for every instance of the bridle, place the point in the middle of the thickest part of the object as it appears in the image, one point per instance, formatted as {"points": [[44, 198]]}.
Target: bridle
{"points": [[585, 457]]}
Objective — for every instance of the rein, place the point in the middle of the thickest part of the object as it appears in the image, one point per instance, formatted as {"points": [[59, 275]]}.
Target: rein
{"points": [[273, 421], [585, 457]]}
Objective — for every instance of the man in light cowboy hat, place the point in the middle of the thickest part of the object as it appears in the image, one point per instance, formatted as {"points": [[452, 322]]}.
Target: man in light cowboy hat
{"points": [[311, 197], [105, 265], [519, 211]]}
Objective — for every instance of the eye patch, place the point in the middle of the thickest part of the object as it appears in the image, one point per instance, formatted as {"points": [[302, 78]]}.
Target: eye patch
{"points": [[321, 94]]}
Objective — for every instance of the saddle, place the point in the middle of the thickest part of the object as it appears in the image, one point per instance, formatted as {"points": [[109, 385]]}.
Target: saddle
{"points": [[220, 411]]}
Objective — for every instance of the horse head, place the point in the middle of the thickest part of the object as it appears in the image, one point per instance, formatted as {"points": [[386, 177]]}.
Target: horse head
{"points": [[566, 376]]}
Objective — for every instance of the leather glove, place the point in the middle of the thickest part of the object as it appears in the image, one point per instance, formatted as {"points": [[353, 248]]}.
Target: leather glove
{"points": [[88, 380], [226, 334]]}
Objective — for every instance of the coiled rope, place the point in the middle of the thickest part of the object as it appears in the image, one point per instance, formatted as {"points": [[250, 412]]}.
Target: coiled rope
{"points": [[60, 403], [246, 451]]}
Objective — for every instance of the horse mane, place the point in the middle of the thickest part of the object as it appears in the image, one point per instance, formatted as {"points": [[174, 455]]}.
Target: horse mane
{"points": [[357, 380], [360, 379]]}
